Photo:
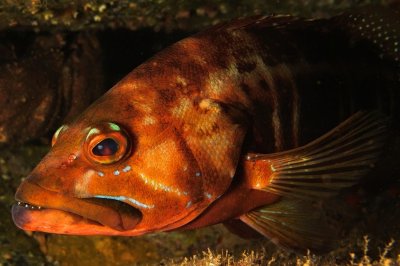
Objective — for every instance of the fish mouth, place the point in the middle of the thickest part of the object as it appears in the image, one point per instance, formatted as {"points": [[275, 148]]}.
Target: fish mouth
{"points": [[39, 209]]}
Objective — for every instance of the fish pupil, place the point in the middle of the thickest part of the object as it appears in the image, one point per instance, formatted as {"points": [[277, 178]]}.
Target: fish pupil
{"points": [[106, 147]]}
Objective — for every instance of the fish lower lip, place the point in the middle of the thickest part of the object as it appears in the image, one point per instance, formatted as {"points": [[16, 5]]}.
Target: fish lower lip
{"points": [[56, 221], [116, 215]]}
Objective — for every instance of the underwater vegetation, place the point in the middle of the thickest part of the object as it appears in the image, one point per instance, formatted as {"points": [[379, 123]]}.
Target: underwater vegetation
{"points": [[279, 258], [370, 240]]}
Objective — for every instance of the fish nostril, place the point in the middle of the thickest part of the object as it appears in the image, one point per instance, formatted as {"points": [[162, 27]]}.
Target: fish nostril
{"points": [[71, 158]]}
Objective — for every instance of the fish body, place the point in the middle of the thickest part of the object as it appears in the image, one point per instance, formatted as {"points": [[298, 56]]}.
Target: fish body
{"points": [[251, 121]]}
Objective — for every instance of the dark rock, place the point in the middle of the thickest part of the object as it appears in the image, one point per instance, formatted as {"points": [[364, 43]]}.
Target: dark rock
{"points": [[44, 80]]}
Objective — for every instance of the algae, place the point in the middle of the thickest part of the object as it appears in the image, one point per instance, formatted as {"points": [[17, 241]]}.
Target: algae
{"points": [[16, 246]]}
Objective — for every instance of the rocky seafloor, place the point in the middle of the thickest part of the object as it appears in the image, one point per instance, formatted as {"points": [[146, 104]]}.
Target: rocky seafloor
{"points": [[64, 38]]}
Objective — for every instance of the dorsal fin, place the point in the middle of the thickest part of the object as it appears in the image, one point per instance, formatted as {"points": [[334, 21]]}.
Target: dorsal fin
{"points": [[379, 26], [258, 22]]}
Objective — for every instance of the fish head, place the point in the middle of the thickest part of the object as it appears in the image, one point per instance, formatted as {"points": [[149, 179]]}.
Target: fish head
{"points": [[113, 172]]}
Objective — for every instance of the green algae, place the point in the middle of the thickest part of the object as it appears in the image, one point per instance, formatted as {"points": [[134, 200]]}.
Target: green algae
{"points": [[16, 247]]}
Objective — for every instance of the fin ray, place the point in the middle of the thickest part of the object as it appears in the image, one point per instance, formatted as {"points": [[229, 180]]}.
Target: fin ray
{"points": [[330, 163], [293, 224]]}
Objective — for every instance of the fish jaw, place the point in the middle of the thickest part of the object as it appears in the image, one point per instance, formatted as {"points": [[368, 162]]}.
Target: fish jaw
{"points": [[39, 209]]}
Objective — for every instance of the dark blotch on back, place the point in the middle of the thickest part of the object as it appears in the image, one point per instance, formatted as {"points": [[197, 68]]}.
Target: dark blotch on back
{"points": [[243, 66]]}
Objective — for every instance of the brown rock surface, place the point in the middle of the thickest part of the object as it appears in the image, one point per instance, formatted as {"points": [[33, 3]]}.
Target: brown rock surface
{"points": [[44, 80]]}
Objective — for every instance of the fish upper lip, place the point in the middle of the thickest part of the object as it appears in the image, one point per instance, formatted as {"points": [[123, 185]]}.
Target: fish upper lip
{"points": [[116, 215], [28, 206]]}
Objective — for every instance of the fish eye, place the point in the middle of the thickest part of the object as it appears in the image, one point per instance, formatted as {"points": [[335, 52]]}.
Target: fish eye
{"points": [[106, 143], [57, 133]]}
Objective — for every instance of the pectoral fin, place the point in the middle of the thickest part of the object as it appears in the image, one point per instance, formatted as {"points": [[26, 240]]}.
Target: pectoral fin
{"points": [[307, 176], [294, 224], [337, 160]]}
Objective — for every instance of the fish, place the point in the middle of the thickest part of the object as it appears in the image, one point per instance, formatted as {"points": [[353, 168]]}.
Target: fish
{"points": [[251, 123]]}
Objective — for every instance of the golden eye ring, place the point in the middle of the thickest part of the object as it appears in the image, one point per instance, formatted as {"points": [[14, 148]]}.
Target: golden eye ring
{"points": [[106, 144], [57, 134]]}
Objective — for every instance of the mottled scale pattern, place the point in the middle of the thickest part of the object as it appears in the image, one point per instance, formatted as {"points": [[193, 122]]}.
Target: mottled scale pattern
{"points": [[212, 138]]}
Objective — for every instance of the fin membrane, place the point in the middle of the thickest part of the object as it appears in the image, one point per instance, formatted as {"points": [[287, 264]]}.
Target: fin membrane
{"points": [[294, 224], [337, 160], [378, 25], [241, 229]]}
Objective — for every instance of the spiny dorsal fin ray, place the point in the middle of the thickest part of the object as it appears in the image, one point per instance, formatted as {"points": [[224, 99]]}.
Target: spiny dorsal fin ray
{"points": [[246, 23], [337, 160], [294, 224], [378, 25]]}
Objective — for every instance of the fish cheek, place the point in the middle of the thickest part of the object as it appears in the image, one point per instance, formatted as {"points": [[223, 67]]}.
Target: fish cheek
{"points": [[160, 179], [167, 180]]}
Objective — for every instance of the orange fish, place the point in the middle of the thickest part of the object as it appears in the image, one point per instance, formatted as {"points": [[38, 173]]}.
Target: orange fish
{"points": [[250, 123]]}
